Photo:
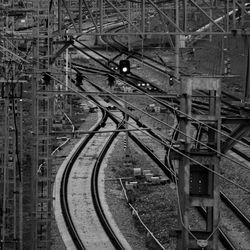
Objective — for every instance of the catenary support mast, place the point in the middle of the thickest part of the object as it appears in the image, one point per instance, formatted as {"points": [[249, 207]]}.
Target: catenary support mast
{"points": [[198, 185], [42, 123]]}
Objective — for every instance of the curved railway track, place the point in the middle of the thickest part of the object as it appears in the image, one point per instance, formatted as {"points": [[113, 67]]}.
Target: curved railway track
{"points": [[63, 192], [64, 189], [66, 211], [225, 240], [227, 243]]}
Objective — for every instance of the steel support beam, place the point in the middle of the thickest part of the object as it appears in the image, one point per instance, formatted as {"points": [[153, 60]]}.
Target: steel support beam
{"points": [[42, 124], [198, 187], [235, 136], [80, 15]]}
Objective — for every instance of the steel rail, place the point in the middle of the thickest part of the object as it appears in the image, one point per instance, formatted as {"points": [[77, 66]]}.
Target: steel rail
{"points": [[138, 56], [63, 189], [232, 248], [96, 196], [168, 170]]}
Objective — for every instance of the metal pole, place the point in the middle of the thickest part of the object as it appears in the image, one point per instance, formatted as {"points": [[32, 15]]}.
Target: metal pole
{"points": [[60, 17], [227, 17], [129, 25], [185, 15], [247, 77], [126, 127], [234, 11], [66, 69], [177, 41], [243, 8], [80, 16], [5, 172], [21, 183], [143, 17], [211, 16], [101, 8], [15, 212]]}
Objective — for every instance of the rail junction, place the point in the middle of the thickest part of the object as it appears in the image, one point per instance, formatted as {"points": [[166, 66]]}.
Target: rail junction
{"points": [[126, 62]]}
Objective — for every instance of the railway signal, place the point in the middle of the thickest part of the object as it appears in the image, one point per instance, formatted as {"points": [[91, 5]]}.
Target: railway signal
{"points": [[124, 67], [171, 80], [79, 78]]}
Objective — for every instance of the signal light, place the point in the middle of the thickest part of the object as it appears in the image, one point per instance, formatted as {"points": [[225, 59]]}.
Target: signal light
{"points": [[171, 80], [79, 78], [124, 66]]}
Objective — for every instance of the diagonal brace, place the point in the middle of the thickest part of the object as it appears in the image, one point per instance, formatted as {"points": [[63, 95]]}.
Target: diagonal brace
{"points": [[91, 15], [61, 50], [240, 5], [210, 19], [237, 134], [163, 14], [72, 20], [120, 13]]}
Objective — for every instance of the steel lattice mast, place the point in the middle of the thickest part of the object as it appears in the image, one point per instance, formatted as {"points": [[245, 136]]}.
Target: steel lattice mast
{"points": [[11, 137], [42, 123], [177, 19]]}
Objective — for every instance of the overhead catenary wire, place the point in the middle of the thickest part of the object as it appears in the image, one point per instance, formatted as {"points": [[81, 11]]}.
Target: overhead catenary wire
{"points": [[182, 113], [139, 218], [194, 120], [163, 143], [163, 102], [167, 145], [194, 139], [198, 122]]}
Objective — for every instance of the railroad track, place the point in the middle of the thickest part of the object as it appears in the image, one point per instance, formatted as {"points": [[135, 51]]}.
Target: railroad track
{"points": [[228, 202], [73, 224], [227, 243], [234, 111], [137, 82]]}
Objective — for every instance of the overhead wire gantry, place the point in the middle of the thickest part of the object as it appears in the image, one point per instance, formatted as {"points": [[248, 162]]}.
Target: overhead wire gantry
{"points": [[48, 25]]}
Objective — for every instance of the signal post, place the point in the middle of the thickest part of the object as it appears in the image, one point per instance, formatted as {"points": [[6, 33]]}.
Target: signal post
{"points": [[198, 185]]}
